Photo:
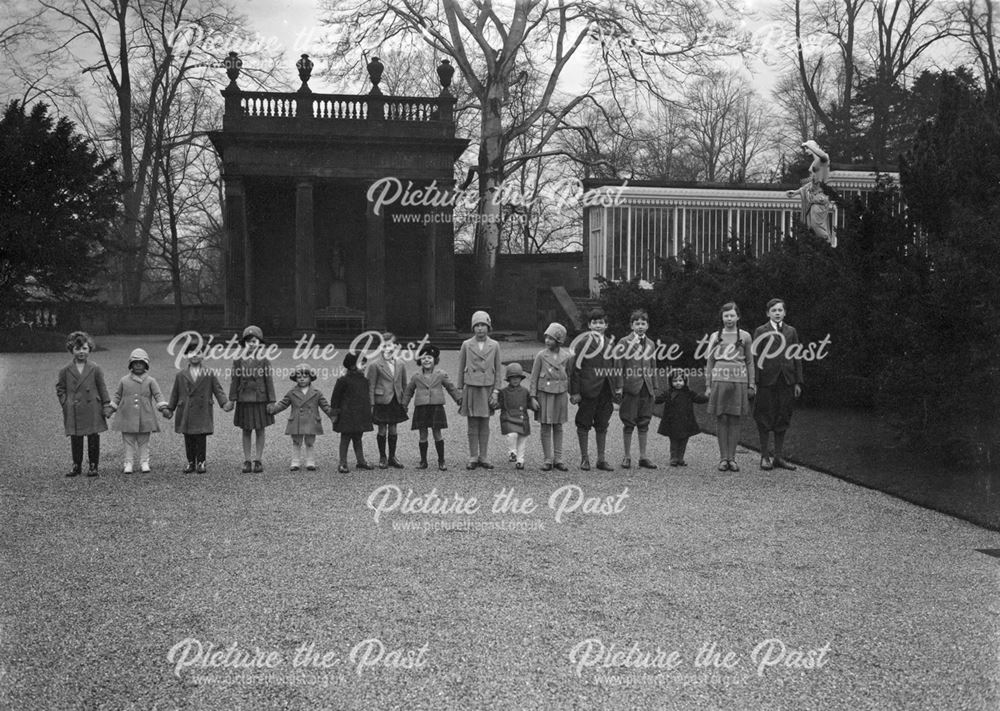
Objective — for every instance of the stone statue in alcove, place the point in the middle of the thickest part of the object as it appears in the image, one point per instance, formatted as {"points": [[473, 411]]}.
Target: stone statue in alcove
{"points": [[338, 285]]}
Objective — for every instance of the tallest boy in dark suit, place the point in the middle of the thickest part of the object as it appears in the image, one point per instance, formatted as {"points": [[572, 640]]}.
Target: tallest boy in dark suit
{"points": [[591, 386], [779, 382]]}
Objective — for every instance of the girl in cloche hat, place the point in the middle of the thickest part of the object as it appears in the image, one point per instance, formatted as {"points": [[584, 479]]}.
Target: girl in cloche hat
{"points": [[549, 391], [427, 389], [135, 403], [480, 377], [252, 389]]}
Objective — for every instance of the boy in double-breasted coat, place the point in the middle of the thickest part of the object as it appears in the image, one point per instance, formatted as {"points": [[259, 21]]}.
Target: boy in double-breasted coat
{"points": [[386, 385], [84, 398], [591, 386], [304, 423], [779, 383], [191, 404], [637, 383]]}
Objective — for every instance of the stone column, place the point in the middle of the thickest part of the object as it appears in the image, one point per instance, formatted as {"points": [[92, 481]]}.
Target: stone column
{"points": [[237, 257], [444, 270], [305, 262], [430, 272], [375, 276]]}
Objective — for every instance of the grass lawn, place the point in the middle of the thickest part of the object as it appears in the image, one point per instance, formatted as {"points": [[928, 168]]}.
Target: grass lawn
{"points": [[862, 447], [157, 591]]}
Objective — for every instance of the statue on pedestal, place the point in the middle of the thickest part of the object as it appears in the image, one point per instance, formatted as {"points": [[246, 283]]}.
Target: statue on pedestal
{"points": [[815, 195]]}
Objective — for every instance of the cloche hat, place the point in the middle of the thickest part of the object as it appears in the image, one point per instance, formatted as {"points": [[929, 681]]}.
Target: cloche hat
{"points": [[556, 331], [482, 317], [138, 355], [514, 370]]}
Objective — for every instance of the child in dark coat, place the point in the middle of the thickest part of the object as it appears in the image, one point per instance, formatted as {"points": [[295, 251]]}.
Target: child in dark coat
{"points": [[191, 403], [679, 423], [84, 398], [351, 411], [515, 402]]}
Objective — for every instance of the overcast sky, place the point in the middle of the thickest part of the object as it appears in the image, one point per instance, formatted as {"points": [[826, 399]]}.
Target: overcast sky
{"points": [[294, 24]]}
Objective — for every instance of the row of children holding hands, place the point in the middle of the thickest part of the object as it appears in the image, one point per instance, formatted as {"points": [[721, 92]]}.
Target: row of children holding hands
{"points": [[590, 376]]}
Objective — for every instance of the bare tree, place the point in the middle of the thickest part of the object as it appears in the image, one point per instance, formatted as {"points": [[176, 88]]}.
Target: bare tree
{"points": [[169, 44], [874, 44], [977, 24], [798, 113], [640, 44], [751, 138]]}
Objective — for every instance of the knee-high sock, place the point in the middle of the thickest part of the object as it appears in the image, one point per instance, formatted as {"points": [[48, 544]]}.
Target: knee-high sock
{"points": [[392, 445], [643, 439], [473, 438], [557, 442], [522, 441], [423, 451], [296, 451], [723, 435], [484, 438], [734, 436], [762, 435], [439, 447], [602, 442], [627, 441], [582, 436], [779, 444], [130, 445], [359, 449], [76, 447], [547, 443], [93, 449], [142, 440], [345, 441], [380, 440]]}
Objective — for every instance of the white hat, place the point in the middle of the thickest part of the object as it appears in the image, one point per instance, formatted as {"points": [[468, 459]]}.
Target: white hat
{"points": [[140, 355], [557, 331], [481, 317]]}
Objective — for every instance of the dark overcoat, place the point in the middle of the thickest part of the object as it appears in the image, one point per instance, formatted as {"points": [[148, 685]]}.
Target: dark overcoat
{"points": [[350, 403], [191, 402], [678, 413], [83, 397]]}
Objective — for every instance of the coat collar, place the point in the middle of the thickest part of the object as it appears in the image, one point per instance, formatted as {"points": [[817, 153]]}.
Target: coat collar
{"points": [[488, 345], [556, 358], [80, 374]]}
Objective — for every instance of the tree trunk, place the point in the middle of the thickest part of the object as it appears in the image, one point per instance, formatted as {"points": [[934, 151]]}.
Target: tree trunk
{"points": [[488, 207]]}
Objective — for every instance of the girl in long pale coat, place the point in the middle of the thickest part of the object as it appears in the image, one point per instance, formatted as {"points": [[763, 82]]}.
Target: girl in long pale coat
{"points": [[135, 403], [480, 377], [84, 400]]}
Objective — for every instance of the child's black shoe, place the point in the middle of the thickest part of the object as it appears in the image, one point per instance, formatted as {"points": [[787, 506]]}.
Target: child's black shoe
{"points": [[75, 471]]}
